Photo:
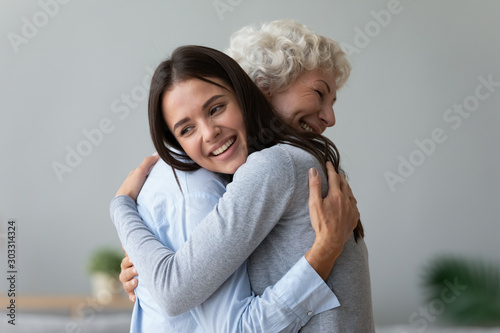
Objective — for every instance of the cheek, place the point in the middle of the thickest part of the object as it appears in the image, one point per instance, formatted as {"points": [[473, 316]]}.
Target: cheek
{"points": [[289, 108], [285, 114], [310, 109], [190, 148], [237, 122], [281, 104]]}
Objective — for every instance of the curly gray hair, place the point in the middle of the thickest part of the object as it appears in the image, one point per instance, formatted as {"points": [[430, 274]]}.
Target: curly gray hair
{"points": [[278, 52]]}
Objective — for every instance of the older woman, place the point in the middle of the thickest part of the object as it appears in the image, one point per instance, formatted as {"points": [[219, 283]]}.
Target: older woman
{"points": [[300, 72]]}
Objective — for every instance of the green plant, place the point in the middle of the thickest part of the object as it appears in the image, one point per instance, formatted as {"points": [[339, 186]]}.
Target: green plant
{"points": [[476, 300], [105, 260]]}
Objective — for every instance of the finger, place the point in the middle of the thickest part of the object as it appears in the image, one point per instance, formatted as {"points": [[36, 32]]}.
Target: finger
{"points": [[131, 296], [333, 179], [130, 273], [130, 287], [314, 188], [126, 255], [135, 180], [127, 274], [126, 263], [147, 164]]}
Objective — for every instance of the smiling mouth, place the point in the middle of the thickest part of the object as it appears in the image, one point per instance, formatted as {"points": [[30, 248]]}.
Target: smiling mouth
{"points": [[305, 127], [224, 147]]}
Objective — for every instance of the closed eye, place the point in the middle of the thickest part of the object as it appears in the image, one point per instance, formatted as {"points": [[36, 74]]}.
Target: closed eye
{"points": [[320, 94]]}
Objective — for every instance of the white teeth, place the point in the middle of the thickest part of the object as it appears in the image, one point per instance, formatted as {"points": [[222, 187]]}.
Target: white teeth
{"points": [[224, 147], [305, 127]]}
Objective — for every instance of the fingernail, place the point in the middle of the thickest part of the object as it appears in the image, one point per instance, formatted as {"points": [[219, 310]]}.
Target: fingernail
{"points": [[155, 153], [313, 172], [134, 270]]}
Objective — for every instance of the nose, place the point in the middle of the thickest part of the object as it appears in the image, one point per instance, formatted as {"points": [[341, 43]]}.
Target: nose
{"points": [[210, 131], [327, 116]]}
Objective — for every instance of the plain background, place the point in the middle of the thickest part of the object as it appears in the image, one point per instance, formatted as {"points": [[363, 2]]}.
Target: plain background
{"points": [[75, 71]]}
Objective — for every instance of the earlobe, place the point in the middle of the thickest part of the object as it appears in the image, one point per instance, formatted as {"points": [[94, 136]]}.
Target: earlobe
{"points": [[267, 93], [265, 90]]}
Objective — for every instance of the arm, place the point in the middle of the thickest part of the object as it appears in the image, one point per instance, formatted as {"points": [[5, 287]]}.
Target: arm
{"points": [[220, 244], [284, 307], [289, 304], [339, 205]]}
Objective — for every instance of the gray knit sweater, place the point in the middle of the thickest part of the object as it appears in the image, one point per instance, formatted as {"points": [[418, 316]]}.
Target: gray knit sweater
{"points": [[263, 214]]}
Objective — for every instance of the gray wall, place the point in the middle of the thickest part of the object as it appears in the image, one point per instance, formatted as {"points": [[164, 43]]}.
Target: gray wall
{"points": [[83, 68]]}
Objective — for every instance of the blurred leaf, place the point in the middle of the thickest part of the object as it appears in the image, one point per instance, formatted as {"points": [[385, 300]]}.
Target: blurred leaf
{"points": [[477, 299], [105, 260]]}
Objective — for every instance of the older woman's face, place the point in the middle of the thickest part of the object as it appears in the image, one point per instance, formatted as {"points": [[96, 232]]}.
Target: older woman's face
{"points": [[308, 103]]}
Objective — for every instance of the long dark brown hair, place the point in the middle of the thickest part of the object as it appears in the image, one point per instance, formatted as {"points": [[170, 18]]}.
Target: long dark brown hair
{"points": [[263, 126]]}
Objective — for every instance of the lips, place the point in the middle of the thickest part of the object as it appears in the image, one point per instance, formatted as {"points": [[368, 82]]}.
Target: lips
{"points": [[224, 147]]}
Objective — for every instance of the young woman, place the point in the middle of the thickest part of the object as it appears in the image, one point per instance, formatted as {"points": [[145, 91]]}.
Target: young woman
{"points": [[298, 70], [267, 192]]}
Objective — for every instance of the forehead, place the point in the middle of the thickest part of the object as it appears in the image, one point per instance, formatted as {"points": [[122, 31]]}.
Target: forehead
{"points": [[318, 75], [194, 86], [187, 98], [191, 93]]}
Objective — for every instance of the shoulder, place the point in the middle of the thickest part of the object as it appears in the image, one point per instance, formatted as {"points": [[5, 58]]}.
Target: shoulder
{"points": [[283, 158], [273, 156], [298, 155], [202, 181], [161, 182], [272, 160], [280, 164]]}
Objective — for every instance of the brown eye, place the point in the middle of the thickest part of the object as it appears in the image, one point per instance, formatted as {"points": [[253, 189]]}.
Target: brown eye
{"points": [[186, 130], [215, 109]]}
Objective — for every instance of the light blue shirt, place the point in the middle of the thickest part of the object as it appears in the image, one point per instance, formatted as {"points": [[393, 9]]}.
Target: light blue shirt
{"points": [[171, 215]]}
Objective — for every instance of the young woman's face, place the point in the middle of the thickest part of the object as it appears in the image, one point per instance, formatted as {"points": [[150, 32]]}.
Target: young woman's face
{"points": [[207, 122], [308, 103]]}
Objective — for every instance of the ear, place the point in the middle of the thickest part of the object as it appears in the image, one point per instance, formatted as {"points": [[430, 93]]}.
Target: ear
{"points": [[266, 93], [265, 90]]}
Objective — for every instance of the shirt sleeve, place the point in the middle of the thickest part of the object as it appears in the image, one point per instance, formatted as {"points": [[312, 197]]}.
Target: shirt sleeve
{"points": [[252, 205], [284, 307]]}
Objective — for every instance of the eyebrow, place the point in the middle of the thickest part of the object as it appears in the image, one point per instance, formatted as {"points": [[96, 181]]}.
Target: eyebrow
{"points": [[326, 84], [210, 100], [204, 106]]}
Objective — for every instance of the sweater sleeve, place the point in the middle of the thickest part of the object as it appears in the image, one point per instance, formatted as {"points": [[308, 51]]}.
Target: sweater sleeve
{"points": [[254, 202]]}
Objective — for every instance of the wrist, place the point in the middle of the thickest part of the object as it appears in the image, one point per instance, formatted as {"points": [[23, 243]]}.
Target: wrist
{"points": [[322, 257], [326, 249], [328, 246]]}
